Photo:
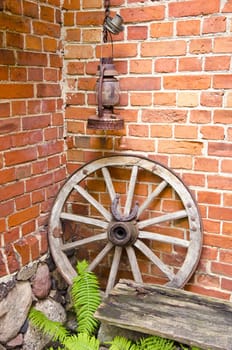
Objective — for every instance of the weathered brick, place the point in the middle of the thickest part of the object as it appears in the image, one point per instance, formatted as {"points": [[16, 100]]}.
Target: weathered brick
{"points": [[217, 63], [190, 64], [190, 82], [221, 149], [222, 81], [214, 24], [137, 32], [200, 46], [188, 28], [223, 45], [163, 48], [180, 147], [143, 14], [140, 84], [165, 65], [20, 156], [161, 29], [193, 8]]}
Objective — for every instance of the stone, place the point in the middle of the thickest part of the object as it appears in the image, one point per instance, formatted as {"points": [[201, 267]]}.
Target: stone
{"points": [[33, 338], [13, 310], [27, 272], [41, 284], [17, 341]]}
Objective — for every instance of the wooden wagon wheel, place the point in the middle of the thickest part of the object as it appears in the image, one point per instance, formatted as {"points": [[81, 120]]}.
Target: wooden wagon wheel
{"points": [[126, 202]]}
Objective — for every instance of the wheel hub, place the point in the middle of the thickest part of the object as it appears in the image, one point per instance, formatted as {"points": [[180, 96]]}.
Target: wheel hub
{"points": [[122, 233]]}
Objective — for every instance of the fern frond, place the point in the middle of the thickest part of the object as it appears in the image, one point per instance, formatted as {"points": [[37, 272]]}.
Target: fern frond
{"points": [[82, 341], [55, 329], [155, 343], [121, 343], [86, 298]]}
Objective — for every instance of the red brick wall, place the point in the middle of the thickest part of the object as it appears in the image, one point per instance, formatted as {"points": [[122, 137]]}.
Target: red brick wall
{"points": [[32, 158], [174, 60]]}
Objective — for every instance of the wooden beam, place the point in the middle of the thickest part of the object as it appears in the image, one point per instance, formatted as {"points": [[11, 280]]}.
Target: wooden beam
{"points": [[172, 313]]}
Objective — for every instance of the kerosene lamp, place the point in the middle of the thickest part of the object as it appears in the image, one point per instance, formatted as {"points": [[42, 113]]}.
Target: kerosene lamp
{"points": [[107, 87]]}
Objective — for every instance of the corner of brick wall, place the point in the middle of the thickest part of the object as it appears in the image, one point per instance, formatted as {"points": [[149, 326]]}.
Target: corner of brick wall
{"points": [[174, 64], [32, 157]]}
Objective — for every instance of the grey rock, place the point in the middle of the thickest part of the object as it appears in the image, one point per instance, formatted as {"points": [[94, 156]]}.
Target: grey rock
{"points": [[41, 284], [27, 272], [33, 338], [13, 310]]}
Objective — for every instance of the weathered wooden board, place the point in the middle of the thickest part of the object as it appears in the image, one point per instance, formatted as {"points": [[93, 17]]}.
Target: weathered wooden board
{"points": [[172, 313]]}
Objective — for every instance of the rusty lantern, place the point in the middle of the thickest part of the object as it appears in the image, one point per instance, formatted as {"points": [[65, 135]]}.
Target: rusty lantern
{"points": [[107, 92]]}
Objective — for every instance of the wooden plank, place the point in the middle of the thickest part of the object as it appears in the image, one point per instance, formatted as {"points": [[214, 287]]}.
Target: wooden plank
{"points": [[171, 313]]}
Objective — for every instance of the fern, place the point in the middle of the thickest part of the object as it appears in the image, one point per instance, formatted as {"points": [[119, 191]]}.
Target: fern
{"points": [[86, 298], [82, 341], [155, 343], [120, 343], [55, 329]]}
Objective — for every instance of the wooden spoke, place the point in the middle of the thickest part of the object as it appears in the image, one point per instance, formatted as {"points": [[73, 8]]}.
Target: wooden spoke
{"points": [[151, 197], [134, 264], [81, 242], [167, 217], [130, 193], [94, 202], [151, 256], [84, 220], [101, 256], [114, 269], [109, 183], [165, 239]]}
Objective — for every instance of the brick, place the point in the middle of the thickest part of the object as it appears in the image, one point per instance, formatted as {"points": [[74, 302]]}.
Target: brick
{"points": [[90, 18], [206, 164], [28, 227], [23, 250], [51, 74], [9, 126], [73, 34], [222, 45], [138, 130], [163, 48], [33, 43], [226, 284], [219, 182], [11, 190], [39, 167], [14, 23], [50, 148], [193, 8], [221, 269], [15, 40], [222, 81], [47, 13], [38, 182], [143, 14], [5, 144], [223, 116], [212, 226], [91, 4], [23, 202], [212, 132], [209, 197], [80, 51], [13, 6], [212, 99], [50, 29], [221, 149], [141, 66], [7, 175], [180, 147], [4, 110], [161, 29], [181, 162], [135, 144], [187, 99], [226, 165], [163, 116], [3, 268], [33, 246], [87, 84], [18, 74], [23, 171], [227, 6], [200, 46], [227, 199], [217, 63], [69, 18], [188, 28], [12, 259], [141, 99], [30, 9], [137, 32], [214, 24], [27, 138], [48, 90], [20, 156], [91, 35], [164, 131], [18, 108], [140, 84], [194, 179], [31, 59], [190, 82], [121, 50], [11, 91], [185, 132], [164, 98], [165, 65], [4, 73], [190, 64]]}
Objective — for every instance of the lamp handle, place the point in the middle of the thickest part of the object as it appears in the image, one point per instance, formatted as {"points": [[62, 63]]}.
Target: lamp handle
{"points": [[100, 107]]}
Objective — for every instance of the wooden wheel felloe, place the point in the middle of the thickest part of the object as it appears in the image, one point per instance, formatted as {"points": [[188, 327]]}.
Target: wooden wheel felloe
{"points": [[126, 205]]}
